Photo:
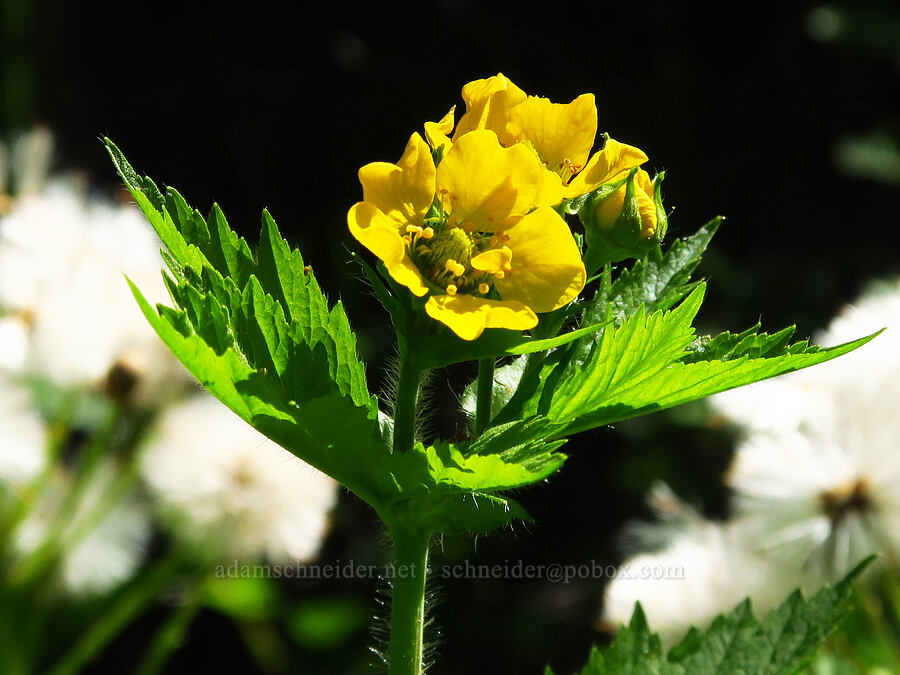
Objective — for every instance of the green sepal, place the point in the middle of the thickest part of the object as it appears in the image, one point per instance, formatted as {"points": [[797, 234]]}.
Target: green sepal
{"points": [[658, 281], [612, 239]]}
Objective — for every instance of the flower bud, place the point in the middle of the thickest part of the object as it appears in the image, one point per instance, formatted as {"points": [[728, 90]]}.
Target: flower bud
{"points": [[624, 219]]}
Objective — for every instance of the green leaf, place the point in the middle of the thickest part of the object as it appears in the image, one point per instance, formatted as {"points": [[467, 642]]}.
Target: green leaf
{"points": [[646, 364], [657, 282], [327, 431], [727, 346], [453, 489], [257, 331], [282, 320], [783, 642]]}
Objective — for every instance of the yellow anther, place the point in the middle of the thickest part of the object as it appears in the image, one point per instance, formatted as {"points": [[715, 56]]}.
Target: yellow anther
{"points": [[451, 265], [459, 270], [451, 289], [413, 228], [483, 288], [499, 275], [407, 239], [428, 232]]}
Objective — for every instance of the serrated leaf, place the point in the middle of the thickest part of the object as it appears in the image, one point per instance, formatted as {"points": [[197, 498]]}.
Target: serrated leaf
{"points": [[640, 367], [450, 489], [444, 465], [783, 642], [657, 282], [256, 330], [727, 346], [462, 512], [327, 430], [277, 313]]}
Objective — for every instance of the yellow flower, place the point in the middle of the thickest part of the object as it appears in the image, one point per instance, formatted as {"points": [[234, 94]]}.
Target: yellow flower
{"points": [[560, 134], [475, 233]]}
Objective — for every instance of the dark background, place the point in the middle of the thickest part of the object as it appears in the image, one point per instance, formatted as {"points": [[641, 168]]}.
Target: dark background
{"points": [[256, 106]]}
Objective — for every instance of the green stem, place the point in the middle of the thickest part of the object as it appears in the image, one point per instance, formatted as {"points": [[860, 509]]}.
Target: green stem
{"points": [[147, 585], [64, 534], [408, 601], [405, 404], [484, 395], [171, 635]]}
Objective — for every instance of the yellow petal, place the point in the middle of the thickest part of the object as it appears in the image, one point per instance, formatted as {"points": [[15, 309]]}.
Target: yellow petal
{"points": [[560, 132], [609, 210], [547, 271], [403, 191], [614, 159], [438, 133], [381, 235], [488, 103], [484, 184], [644, 193], [493, 260], [468, 316], [552, 191]]}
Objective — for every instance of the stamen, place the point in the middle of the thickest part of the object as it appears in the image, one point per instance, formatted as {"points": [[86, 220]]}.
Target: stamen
{"points": [[451, 289], [410, 229], [428, 232], [483, 288], [499, 275]]}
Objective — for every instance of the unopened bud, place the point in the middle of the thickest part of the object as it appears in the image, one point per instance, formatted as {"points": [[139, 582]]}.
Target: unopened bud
{"points": [[624, 219]]}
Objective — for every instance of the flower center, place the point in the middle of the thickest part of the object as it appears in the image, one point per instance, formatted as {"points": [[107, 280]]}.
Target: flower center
{"points": [[443, 252], [842, 501]]}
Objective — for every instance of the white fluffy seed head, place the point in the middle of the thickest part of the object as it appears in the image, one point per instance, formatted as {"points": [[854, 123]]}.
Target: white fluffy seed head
{"points": [[233, 488]]}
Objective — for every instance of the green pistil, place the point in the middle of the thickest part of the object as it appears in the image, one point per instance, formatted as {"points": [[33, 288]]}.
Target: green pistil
{"points": [[450, 243]]}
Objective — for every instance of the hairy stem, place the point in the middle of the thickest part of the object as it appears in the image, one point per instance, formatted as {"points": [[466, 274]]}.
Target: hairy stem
{"points": [[405, 404], [408, 601], [484, 393]]}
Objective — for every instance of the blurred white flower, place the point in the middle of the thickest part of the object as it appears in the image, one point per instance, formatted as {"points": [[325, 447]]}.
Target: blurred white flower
{"points": [[99, 552], [13, 344], [826, 496], [702, 569], [817, 475], [62, 265], [233, 487], [23, 436]]}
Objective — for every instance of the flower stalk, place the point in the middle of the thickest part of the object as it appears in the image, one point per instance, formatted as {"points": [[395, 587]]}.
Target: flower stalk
{"points": [[405, 403], [484, 395], [408, 600]]}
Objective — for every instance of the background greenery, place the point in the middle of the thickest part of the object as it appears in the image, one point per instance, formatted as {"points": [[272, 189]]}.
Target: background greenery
{"points": [[257, 106]]}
